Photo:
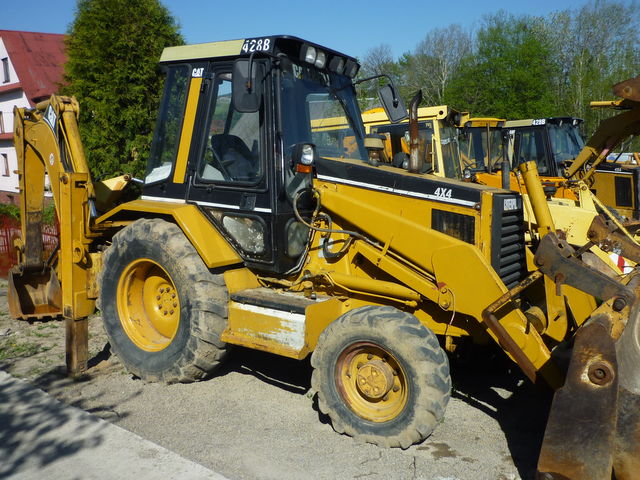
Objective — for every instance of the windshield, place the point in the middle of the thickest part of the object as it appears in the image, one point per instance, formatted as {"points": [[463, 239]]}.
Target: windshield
{"points": [[398, 137], [320, 108], [566, 141], [481, 147], [450, 152]]}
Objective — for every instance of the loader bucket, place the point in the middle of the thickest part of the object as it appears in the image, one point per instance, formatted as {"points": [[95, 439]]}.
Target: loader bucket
{"points": [[593, 430], [34, 295]]}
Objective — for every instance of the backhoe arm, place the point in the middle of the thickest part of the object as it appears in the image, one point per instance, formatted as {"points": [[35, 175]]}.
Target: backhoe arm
{"points": [[48, 143]]}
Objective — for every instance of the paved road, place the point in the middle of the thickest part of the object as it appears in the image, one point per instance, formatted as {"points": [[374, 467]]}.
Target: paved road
{"points": [[41, 438], [257, 420]]}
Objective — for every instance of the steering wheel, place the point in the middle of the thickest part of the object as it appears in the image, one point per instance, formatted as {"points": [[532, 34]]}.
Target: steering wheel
{"points": [[219, 164]]}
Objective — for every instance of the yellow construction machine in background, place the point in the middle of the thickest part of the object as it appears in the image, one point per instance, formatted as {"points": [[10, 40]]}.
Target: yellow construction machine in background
{"points": [[258, 227]]}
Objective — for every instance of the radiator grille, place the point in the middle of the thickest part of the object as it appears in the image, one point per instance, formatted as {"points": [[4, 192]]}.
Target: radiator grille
{"points": [[508, 256], [453, 224]]}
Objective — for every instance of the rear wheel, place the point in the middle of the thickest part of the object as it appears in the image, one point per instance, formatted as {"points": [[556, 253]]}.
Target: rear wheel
{"points": [[381, 376], [163, 310]]}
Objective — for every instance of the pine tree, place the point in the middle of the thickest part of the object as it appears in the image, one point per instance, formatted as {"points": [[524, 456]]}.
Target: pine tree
{"points": [[113, 49]]}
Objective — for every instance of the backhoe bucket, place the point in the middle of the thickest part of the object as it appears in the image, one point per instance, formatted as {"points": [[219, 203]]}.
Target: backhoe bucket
{"points": [[34, 294], [593, 430]]}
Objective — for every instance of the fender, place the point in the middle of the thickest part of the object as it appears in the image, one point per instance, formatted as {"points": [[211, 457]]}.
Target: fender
{"points": [[212, 247]]}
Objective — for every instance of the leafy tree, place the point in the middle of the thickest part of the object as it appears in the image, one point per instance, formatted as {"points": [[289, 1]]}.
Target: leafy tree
{"points": [[113, 49], [509, 74], [435, 62], [377, 61], [596, 46]]}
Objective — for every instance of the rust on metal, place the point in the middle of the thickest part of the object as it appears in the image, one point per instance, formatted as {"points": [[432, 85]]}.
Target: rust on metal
{"points": [[629, 89], [579, 438], [608, 237], [77, 345], [507, 342], [556, 257], [593, 430]]}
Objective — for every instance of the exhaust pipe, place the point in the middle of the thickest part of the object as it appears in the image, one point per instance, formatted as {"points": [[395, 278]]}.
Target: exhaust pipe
{"points": [[415, 162]]}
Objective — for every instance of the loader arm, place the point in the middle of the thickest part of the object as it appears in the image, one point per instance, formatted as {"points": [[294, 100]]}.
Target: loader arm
{"points": [[611, 131]]}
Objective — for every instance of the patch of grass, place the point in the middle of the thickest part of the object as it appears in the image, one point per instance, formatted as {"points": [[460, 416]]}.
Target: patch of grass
{"points": [[42, 335], [52, 325], [10, 348]]}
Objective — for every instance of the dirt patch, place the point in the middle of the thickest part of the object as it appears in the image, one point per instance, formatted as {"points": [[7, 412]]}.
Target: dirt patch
{"points": [[30, 349], [257, 417]]}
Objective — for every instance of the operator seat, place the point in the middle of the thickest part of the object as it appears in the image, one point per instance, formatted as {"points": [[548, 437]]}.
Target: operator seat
{"points": [[237, 160]]}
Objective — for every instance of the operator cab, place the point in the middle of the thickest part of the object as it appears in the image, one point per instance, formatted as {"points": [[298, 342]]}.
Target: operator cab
{"points": [[240, 124], [481, 145], [553, 143]]}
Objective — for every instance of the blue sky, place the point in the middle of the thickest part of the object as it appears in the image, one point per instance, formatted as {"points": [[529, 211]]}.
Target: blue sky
{"points": [[349, 26]]}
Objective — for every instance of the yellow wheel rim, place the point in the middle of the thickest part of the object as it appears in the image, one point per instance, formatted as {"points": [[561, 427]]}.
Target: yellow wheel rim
{"points": [[372, 382], [148, 305]]}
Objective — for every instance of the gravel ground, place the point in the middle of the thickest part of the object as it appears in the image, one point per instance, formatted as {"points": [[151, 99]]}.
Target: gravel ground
{"points": [[257, 418]]}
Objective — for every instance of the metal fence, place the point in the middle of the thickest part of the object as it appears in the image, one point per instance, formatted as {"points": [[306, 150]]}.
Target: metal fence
{"points": [[9, 230]]}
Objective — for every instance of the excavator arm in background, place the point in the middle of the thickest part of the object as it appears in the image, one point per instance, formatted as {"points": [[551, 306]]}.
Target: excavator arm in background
{"points": [[611, 131]]}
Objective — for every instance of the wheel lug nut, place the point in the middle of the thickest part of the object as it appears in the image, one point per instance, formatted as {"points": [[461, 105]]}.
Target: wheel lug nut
{"points": [[158, 297], [359, 366], [175, 305], [386, 397], [173, 295], [396, 388], [171, 312], [369, 356], [165, 312]]}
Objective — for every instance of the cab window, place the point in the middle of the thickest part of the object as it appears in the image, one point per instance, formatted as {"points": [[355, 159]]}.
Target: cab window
{"points": [[530, 147], [232, 150], [167, 136]]}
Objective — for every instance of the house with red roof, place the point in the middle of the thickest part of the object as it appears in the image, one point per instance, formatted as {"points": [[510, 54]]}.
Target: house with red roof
{"points": [[31, 69]]}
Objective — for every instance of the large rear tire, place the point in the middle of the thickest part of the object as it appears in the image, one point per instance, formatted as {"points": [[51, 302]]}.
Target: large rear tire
{"points": [[381, 376], [163, 310]]}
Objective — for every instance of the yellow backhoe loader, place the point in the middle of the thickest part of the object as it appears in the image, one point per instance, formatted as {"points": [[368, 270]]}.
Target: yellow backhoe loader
{"points": [[454, 144], [257, 228]]}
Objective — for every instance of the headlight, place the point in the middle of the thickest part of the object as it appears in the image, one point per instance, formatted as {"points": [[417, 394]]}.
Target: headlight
{"points": [[308, 54], [321, 59], [336, 65], [307, 155], [351, 69]]}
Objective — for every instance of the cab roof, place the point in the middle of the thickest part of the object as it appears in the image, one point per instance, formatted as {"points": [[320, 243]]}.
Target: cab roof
{"points": [[243, 47], [542, 121]]}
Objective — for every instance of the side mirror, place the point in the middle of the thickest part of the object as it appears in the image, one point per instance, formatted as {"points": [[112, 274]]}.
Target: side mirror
{"points": [[393, 104], [247, 85]]}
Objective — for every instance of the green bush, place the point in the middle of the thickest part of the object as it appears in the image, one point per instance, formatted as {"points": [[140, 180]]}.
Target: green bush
{"points": [[11, 211]]}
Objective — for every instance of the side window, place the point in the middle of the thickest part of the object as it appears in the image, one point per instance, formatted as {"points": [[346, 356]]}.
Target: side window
{"points": [[530, 147], [167, 135], [232, 150]]}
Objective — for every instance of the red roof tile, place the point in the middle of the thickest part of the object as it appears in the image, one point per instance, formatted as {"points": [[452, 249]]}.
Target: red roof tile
{"points": [[38, 59]]}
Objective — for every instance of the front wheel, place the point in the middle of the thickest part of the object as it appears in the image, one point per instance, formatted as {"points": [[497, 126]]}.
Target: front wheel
{"points": [[381, 376], [163, 311]]}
